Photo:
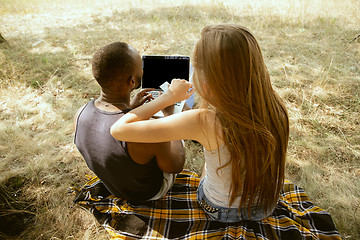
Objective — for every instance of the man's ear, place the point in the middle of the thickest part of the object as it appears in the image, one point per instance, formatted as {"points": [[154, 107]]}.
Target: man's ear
{"points": [[131, 81]]}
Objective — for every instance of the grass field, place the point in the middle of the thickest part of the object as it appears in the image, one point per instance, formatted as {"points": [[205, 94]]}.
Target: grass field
{"points": [[310, 48]]}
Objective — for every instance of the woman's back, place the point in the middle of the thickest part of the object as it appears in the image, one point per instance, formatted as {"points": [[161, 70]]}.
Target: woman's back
{"points": [[218, 177], [232, 79]]}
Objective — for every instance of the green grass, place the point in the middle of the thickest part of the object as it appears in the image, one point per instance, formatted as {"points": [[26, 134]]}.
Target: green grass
{"points": [[45, 76]]}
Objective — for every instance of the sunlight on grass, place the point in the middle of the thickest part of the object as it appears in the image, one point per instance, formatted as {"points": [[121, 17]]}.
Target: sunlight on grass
{"points": [[45, 76]]}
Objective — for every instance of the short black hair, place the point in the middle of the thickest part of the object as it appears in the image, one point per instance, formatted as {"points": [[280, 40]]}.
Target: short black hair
{"points": [[112, 64]]}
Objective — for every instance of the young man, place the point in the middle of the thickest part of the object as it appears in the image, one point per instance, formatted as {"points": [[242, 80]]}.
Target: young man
{"points": [[133, 171]]}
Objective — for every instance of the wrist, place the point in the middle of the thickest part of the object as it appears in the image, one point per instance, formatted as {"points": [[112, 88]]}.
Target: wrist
{"points": [[167, 98]]}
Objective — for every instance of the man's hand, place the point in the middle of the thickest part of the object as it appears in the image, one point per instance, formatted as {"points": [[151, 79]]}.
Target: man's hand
{"points": [[141, 97]]}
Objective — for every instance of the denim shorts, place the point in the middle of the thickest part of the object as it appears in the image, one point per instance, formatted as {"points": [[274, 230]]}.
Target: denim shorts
{"points": [[223, 214]]}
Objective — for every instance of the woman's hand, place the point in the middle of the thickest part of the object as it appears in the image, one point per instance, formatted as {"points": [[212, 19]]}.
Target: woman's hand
{"points": [[179, 90]]}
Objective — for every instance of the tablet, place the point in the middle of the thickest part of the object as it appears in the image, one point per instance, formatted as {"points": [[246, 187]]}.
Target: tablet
{"points": [[160, 69]]}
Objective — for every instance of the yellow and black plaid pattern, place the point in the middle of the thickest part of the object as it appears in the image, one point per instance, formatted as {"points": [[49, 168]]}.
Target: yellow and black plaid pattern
{"points": [[179, 216]]}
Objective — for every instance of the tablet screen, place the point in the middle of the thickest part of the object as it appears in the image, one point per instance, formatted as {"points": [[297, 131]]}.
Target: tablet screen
{"points": [[159, 69]]}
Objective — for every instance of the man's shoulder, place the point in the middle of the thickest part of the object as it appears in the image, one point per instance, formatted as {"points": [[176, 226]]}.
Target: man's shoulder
{"points": [[77, 115], [80, 109], [142, 153]]}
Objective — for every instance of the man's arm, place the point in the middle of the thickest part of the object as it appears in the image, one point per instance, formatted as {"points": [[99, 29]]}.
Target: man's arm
{"points": [[170, 156]]}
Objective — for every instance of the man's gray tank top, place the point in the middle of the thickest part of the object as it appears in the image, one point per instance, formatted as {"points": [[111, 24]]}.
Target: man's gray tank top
{"points": [[109, 159]]}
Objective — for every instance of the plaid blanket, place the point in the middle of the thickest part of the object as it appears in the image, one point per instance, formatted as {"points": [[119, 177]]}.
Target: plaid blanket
{"points": [[179, 216]]}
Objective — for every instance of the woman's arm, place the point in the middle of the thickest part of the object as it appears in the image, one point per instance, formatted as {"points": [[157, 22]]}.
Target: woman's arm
{"points": [[178, 90], [135, 126], [197, 124], [184, 125]]}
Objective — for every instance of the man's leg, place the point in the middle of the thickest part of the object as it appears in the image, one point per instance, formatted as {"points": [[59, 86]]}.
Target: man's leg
{"points": [[168, 182]]}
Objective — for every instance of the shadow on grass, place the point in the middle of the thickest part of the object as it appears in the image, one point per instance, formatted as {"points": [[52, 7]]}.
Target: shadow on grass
{"points": [[15, 215]]}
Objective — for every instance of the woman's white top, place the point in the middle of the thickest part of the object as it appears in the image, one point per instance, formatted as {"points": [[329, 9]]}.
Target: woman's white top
{"points": [[217, 184]]}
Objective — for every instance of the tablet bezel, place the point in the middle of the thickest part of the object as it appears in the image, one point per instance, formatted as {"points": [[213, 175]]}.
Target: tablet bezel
{"points": [[160, 69]]}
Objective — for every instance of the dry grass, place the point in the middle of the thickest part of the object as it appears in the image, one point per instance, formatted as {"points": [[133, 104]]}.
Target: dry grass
{"points": [[45, 76]]}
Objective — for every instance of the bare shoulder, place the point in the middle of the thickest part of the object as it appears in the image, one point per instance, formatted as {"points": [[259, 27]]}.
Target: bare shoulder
{"points": [[207, 118], [200, 118], [211, 129], [190, 117], [208, 115], [170, 156], [142, 153], [202, 115]]}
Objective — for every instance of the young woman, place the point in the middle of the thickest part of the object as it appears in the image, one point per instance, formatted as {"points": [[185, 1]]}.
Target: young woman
{"points": [[243, 125]]}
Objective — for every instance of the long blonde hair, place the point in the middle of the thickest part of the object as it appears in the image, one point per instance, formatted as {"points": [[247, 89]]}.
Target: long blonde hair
{"points": [[231, 76]]}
